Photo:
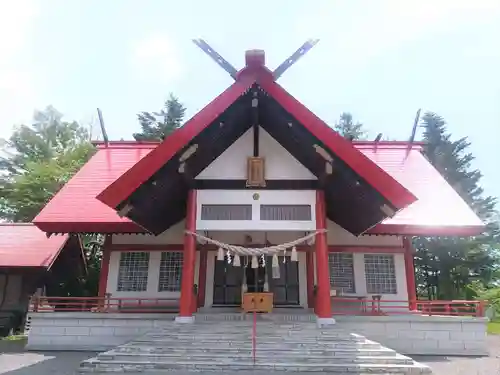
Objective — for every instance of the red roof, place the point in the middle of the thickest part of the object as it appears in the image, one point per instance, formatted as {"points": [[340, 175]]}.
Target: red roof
{"points": [[24, 245], [76, 209], [121, 189], [439, 210]]}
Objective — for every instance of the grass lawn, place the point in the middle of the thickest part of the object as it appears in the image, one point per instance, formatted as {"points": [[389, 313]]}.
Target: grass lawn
{"points": [[494, 327]]}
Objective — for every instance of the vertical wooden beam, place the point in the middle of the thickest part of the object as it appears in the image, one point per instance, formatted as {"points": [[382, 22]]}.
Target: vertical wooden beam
{"points": [[202, 278], [310, 278], [189, 253], [323, 303], [104, 273], [410, 274]]}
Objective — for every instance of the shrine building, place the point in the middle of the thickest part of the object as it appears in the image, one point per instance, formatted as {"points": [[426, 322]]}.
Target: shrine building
{"points": [[256, 194]]}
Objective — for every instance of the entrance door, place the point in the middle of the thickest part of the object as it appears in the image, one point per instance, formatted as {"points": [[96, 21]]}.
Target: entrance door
{"points": [[286, 288], [227, 283]]}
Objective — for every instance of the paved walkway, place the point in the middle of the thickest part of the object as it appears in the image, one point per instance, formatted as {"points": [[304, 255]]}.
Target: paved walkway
{"points": [[65, 363]]}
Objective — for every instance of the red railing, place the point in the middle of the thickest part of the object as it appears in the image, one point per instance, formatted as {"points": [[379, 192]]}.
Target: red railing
{"points": [[340, 306], [380, 306]]}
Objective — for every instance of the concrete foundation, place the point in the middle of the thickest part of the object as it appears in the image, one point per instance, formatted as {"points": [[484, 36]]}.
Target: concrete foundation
{"points": [[422, 335], [407, 334]]}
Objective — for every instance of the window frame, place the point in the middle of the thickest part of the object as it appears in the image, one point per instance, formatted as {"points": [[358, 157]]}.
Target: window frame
{"points": [[335, 276], [378, 281], [125, 277]]}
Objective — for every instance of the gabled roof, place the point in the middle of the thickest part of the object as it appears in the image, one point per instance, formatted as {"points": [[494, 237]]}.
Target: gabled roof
{"points": [[75, 207], [24, 245], [121, 189], [439, 210]]}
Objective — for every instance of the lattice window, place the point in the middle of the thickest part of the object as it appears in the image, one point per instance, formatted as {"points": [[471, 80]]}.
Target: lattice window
{"points": [[170, 271], [342, 272], [380, 274], [133, 271], [295, 212], [226, 212]]}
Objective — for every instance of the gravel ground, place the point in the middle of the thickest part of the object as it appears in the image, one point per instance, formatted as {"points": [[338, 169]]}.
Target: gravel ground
{"points": [[65, 363]]}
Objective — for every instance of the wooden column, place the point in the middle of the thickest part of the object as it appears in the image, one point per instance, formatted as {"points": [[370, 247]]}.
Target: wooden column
{"points": [[323, 303], [410, 274], [310, 278], [202, 277], [104, 272], [189, 254]]}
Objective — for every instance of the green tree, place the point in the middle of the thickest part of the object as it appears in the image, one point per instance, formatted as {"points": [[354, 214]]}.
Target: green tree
{"points": [[158, 125], [447, 265], [347, 128], [37, 160]]}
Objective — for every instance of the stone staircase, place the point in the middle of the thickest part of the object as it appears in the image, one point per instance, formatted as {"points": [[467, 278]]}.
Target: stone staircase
{"points": [[226, 346]]}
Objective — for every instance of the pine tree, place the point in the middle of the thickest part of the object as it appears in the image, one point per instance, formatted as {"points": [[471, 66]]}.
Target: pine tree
{"points": [[348, 129], [446, 265], [158, 125]]}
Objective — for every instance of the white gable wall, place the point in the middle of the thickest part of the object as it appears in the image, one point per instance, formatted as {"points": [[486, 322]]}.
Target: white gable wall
{"points": [[279, 165]]}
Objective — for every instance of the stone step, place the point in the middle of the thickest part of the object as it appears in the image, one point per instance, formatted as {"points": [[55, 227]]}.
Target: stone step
{"points": [[260, 345], [260, 357], [217, 340], [145, 350], [343, 368]]}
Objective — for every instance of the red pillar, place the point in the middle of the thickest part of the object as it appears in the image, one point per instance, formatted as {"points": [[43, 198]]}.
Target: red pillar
{"points": [[310, 278], [410, 274], [202, 278], [189, 253], [104, 272], [323, 303]]}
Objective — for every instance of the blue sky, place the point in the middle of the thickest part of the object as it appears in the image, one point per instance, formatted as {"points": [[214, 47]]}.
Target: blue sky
{"points": [[380, 60]]}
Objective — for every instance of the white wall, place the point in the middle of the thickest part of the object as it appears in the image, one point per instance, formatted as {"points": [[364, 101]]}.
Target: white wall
{"points": [[336, 236], [306, 197], [153, 278], [279, 163]]}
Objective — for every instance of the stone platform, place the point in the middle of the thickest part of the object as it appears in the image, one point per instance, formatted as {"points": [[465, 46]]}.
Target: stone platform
{"points": [[225, 345]]}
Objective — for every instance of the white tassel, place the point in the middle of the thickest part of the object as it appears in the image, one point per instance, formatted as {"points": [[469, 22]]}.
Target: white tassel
{"points": [[220, 254], [276, 272], [284, 256], [255, 262], [294, 257], [275, 263], [236, 260], [228, 254]]}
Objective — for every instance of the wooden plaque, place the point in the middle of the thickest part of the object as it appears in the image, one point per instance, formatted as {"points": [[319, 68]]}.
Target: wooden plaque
{"points": [[256, 172], [258, 302]]}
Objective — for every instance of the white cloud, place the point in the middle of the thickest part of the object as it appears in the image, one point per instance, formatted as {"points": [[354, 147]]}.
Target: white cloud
{"points": [[155, 58], [358, 29], [17, 91]]}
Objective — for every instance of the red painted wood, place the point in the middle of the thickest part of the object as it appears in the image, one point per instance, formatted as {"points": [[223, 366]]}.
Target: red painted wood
{"points": [[129, 181], [187, 282], [410, 274], [323, 304], [147, 247], [202, 278], [304, 248], [310, 278], [379, 179], [103, 275]]}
